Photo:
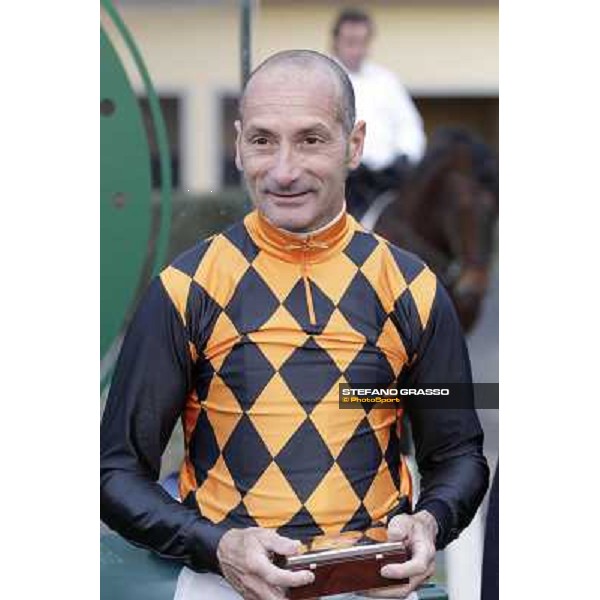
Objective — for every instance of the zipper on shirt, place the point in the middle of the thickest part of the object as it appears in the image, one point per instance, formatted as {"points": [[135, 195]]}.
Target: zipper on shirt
{"points": [[304, 247], [307, 291]]}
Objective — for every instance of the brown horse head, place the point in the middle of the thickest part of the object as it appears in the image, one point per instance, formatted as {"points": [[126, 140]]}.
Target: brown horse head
{"points": [[446, 213]]}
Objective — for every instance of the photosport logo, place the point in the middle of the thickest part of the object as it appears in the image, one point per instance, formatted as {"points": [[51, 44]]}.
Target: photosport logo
{"points": [[452, 395]]}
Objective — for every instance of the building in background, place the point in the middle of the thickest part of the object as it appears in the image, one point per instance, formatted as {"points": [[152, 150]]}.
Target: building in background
{"points": [[445, 51]]}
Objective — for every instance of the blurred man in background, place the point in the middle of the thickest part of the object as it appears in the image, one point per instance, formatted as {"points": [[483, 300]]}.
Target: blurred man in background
{"points": [[395, 137]]}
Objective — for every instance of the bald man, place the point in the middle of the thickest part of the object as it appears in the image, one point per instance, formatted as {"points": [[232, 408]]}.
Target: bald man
{"points": [[246, 338]]}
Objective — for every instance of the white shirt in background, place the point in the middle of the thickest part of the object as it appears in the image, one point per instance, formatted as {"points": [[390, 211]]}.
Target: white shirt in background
{"points": [[394, 126]]}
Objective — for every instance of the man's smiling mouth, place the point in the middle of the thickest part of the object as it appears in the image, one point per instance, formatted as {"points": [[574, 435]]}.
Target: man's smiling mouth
{"points": [[289, 196]]}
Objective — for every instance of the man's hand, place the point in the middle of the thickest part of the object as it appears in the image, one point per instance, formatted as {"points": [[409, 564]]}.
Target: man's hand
{"points": [[418, 532], [243, 555]]}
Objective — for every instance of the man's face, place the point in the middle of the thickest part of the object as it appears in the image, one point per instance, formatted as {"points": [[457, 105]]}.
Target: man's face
{"points": [[292, 148], [351, 45]]}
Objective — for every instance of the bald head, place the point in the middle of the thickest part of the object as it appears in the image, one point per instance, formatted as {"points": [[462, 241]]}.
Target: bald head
{"points": [[307, 62]]}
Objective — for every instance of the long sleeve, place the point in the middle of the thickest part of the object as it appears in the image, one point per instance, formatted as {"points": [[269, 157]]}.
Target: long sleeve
{"points": [[448, 440], [147, 396]]}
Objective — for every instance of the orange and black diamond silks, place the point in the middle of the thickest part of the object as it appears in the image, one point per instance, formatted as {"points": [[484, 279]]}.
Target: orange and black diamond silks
{"points": [[246, 338], [267, 443]]}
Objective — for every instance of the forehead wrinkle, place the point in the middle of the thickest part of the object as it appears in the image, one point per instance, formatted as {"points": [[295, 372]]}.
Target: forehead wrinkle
{"points": [[275, 79], [271, 109]]}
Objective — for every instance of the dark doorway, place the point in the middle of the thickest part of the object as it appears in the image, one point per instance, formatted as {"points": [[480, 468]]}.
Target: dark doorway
{"points": [[477, 113], [171, 111]]}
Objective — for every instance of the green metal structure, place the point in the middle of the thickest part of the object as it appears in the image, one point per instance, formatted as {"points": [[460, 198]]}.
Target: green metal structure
{"points": [[126, 185]]}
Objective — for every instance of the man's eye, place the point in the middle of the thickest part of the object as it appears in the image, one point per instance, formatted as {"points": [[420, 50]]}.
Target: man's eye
{"points": [[259, 141], [312, 140]]}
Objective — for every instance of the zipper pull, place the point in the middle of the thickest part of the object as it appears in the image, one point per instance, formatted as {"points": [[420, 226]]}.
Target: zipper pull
{"points": [[307, 291]]}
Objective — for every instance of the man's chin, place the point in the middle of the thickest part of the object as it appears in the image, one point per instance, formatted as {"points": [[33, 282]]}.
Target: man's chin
{"points": [[294, 225], [291, 218]]}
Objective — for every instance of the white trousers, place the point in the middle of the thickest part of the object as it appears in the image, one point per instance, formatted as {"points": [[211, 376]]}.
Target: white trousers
{"points": [[209, 586]]}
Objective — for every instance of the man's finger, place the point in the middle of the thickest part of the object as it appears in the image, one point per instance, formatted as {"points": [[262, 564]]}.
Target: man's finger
{"points": [[275, 576], [415, 567], [414, 581], [399, 528], [423, 557], [401, 591], [271, 540]]}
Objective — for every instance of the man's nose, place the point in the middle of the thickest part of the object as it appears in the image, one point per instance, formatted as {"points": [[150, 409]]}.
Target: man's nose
{"points": [[286, 169]]}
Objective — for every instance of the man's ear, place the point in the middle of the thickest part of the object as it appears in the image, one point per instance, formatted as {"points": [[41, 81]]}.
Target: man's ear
{"points": [[238, 137], [356, 144]]}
